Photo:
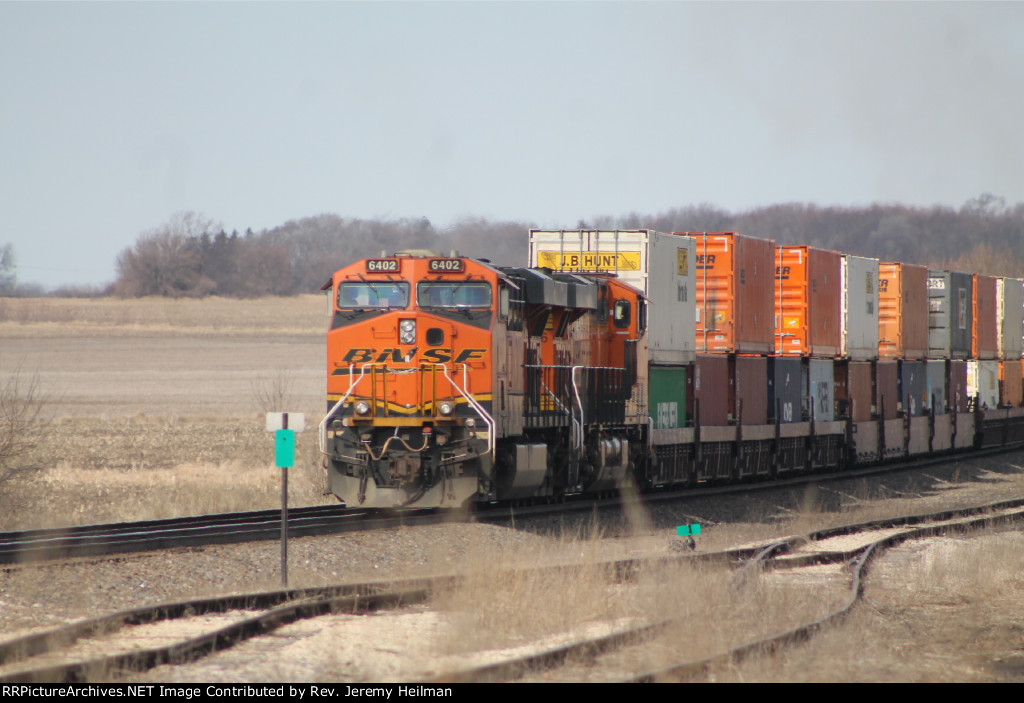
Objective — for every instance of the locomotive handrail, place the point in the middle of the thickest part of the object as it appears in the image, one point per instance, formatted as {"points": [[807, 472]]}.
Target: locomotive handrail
{"points": [[578, 426], [473, 402], [322, 429]]}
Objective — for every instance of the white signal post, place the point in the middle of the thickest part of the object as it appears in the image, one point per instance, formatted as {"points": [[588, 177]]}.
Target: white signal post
{"points": [[284, 426]]}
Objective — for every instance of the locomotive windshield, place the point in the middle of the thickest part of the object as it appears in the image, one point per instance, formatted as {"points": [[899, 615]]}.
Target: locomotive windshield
{"points": [[454, 294], [373, 294]]}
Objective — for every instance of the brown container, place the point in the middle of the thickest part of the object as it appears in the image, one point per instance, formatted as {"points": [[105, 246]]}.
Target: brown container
{"points": [[711, 389], [985, 343], [1011, 389], [902, 311], [807, 301], [750, 389], [733, 273], [887, 389], [855, 389], [956, 386]]}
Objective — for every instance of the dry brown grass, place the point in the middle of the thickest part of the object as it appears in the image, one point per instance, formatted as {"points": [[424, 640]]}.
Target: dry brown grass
{"points": [[506, 602], [74, 316], [157, 405], [943, 610]]}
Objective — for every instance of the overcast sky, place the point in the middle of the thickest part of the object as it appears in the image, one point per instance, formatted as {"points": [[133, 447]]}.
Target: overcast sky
{"points": [[115, 116]]}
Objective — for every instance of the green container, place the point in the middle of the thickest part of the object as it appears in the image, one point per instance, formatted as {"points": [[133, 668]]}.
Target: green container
{"points": [[668, 396]]}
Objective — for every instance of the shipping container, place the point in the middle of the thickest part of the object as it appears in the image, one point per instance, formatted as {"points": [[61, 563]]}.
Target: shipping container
{"points": [[956, 386], [661, 265], [819, 390], [854, 389], [750, 389], [983, 383], [668, 396], [711, 389], [807, 301], [937, 377], [784, 389], [1011, 390], [1010, 310], [950, 314], [732, 274], [887, 391], [861, 389], [913, 388], [986, 327], [859, 321], [902, 311]]}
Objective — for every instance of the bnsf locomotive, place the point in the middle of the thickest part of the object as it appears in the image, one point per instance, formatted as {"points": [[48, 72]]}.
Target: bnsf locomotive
{"points": [[653, 359]]}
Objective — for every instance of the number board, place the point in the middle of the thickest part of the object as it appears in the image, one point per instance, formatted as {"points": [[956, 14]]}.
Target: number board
{"points": [[445, 265], [382, 266]]}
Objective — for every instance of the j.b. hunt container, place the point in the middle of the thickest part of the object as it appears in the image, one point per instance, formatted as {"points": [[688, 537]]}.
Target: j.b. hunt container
{"points": [[661, 265], [807, 301], [732, 274]]}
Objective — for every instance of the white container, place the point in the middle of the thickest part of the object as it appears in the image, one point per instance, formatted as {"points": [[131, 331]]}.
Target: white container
{"points": [[859, 323], [819, 390], [1010, 311], [661, 265], [983, 382]]}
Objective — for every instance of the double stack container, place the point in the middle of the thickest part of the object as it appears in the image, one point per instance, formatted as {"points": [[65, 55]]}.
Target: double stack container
{"points": [[950, 314], [859, 320], [808, 301], [986, 337], [902, 311], [659, 264], [734, 316], [1010, 311]]}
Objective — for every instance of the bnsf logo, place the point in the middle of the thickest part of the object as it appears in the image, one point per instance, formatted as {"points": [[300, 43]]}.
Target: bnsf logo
{"points": [[436, 355]]}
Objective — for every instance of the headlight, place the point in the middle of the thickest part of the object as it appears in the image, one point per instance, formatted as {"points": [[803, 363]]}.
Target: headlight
{"points": [[407, 331], [362, 408], [446, 408]]}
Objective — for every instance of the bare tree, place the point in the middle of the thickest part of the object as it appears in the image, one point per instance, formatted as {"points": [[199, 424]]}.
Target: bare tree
{"points": [[166, 261], [8, 270], [22, 425]]}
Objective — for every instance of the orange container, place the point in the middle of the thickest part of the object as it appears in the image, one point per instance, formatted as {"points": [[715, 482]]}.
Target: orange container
{"points": [[985, 341], [733, 313], [1011, 383], [807, 301], [902, 311]]}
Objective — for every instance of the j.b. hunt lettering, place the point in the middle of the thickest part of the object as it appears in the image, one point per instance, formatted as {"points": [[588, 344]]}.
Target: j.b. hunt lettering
{"points": [[434, 355], [590, 261]]}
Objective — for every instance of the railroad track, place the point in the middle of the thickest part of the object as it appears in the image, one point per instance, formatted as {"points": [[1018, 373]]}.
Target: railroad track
{"points": [[234, 528], [196, 628], [226, 528], [815, 549]]}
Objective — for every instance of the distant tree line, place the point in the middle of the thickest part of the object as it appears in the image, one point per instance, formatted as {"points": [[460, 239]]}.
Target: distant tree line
{"points": [[193, 256]]}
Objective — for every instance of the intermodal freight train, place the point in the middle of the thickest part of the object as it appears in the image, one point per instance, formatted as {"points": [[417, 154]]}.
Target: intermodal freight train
{"points": [[638, 357]]}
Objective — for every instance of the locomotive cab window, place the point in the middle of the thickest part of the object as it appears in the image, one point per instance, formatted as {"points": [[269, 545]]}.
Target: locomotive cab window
{"points": [[453, 294], [382, 295], [621, 313]]}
